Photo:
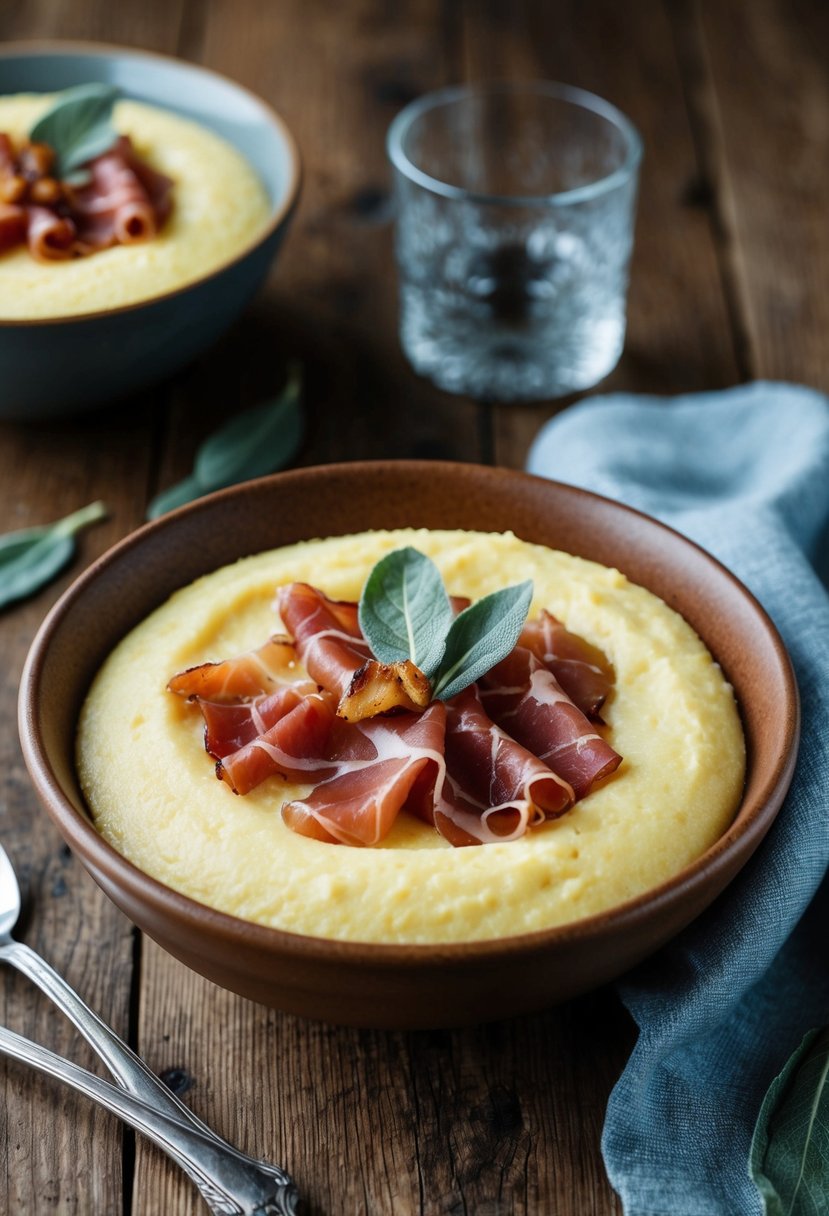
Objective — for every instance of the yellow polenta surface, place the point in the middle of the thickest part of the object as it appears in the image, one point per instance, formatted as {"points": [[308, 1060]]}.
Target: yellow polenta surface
{"points": [[219, 207], [154, 795]]}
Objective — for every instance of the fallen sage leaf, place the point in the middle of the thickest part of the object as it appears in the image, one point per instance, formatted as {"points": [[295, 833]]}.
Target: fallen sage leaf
{"points": [[789, 1157], [258, 441], [31, 558]]}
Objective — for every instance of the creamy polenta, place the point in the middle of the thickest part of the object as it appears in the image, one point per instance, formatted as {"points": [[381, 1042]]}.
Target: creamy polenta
{"points": [[153, 793], [219, 207]]}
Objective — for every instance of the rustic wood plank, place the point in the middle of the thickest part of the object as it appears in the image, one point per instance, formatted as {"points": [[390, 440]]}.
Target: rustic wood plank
{"points": [[338, 74], [493, 1120], [678, 327], [759, 93], [62, 1155], [149, 26]]}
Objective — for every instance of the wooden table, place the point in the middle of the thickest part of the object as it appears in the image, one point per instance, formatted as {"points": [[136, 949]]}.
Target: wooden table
{"points": [[729, 283]]}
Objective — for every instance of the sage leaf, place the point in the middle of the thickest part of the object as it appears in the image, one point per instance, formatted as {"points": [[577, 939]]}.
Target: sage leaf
{"points": [[32, 557], [481, 636], [789, 1156], [257, 441], [78, 126], [404, 610], [176, 496]]}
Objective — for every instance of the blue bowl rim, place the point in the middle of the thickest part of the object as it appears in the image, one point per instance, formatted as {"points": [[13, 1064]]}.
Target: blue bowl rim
{"points": [[281, 212]]}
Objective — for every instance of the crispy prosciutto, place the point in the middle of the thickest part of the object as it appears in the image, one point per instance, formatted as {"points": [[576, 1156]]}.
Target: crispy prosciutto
{"points": [[317, 709], [378, 688], [124, 200], [377, 764], [248, 675], [524, 698], [335, 653], [582, 670]]}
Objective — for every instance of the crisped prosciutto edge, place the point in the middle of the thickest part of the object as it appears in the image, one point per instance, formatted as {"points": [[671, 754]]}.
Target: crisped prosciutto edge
{"points": [[350, 804], [124, 202]]}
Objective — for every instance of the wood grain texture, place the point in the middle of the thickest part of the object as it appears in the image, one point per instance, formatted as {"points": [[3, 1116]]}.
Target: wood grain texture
{"points": [[63, 1155], [338, 74], [498, 1119], [759, 100]]}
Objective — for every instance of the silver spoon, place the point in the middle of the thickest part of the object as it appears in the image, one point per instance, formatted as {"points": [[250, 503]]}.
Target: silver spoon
{"points": [[231, 1183]]}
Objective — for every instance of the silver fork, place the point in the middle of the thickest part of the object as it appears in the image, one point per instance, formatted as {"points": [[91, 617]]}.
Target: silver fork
{"points": [[231, 1183]]}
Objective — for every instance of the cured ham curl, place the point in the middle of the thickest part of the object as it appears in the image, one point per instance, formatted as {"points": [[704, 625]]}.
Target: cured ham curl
{"points": [[377, 764], [248, 675], [125, 200], [524, 698], [51, 237], [336, 655], [495, 789], [327, 640], [582, 670], [228, 726], [294, 748], [317, 709]]}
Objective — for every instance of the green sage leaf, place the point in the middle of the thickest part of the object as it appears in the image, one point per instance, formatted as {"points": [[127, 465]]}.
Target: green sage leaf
{"points": [[176, 496], [258, 441], [78, 126], [789, 1156], [481, 636], [32, 557], [404, 610]]}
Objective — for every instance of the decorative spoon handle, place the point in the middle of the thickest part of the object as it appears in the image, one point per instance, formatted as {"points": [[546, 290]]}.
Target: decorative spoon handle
{"points": [[230, 1183], [129, 1069]]}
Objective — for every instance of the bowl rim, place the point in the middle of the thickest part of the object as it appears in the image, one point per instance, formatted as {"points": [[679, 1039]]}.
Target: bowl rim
{"points": [[280, 213], [744, 832]]}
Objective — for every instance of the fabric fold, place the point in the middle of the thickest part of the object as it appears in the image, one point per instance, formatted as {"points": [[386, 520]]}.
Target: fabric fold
{"points": [[745, 473]]}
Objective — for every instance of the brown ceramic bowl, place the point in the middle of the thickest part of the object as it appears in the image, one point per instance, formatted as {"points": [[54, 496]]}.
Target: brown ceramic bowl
{"points": [[404, 986]]}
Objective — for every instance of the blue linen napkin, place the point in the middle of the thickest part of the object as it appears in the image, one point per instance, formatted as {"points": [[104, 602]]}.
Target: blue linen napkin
{"points": [[745, 473]]}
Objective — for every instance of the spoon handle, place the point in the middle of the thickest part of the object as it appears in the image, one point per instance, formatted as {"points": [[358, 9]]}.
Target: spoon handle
{"points": [[230, 1183], [130, 1071], [128, 1068]]}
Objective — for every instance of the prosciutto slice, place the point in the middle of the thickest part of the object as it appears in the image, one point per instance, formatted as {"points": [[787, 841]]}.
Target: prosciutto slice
{"points": [[320, 711], [327, 636], [495, 789], [13, 225], [376, 765], [51, 237], [228, 726], [248, 675], [582, 670], [524, 698], [295, 748], [126, 201]]}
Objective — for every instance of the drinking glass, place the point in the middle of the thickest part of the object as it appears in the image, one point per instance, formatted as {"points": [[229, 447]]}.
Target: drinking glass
{"points": [[515, 209]]}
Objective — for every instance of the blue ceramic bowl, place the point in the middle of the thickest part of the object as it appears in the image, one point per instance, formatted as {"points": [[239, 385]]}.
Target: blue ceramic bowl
{"points": [[70, 364]]}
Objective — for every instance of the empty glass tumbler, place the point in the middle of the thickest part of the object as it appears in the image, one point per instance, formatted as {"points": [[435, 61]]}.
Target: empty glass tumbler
{"points": [[515, 207]]}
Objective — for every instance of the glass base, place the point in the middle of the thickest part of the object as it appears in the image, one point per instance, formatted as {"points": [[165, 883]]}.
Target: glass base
{"points": [[548, 354]]}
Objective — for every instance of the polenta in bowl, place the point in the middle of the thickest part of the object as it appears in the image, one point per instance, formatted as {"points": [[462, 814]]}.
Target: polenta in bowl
{"points": [[154, 795], [413, 928], [103, 319]]}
